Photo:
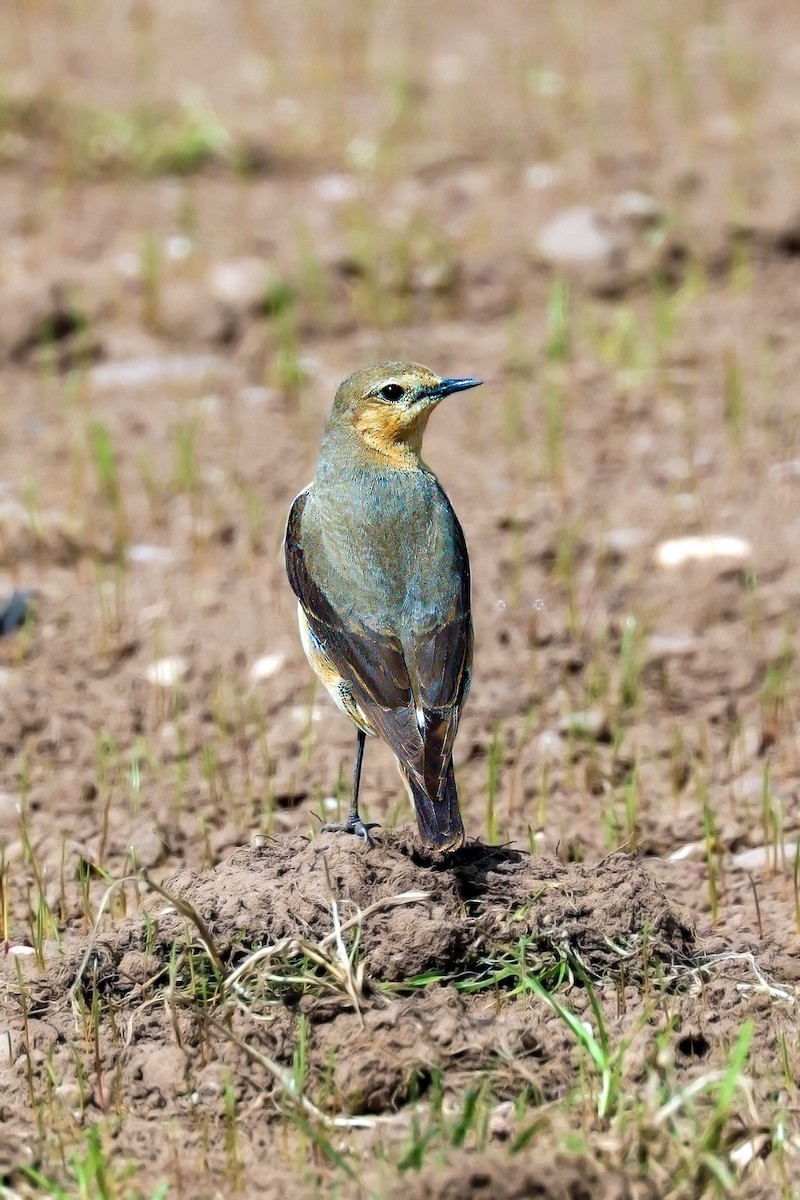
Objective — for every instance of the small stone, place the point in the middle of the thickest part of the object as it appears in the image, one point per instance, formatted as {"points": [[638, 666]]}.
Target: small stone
{"points": [[549, 747], [178, 247], [146, 846], [638, 209], [776, 857], [671, 645], [74, 1097], [145, 372], [260, 397], [542, 175], [689, 850], [267, 666], [677, 551], [624, 540], [591, 724], [160, 556], [336, 189], [167, 672], [158, 611], [8, 679], [786, 470], [303, 714], [9, 812], [577, 237], [240, 284], [752, 784]]}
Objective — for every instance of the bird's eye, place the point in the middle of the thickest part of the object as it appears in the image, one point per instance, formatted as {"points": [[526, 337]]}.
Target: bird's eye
{"points": [[392, 391]]}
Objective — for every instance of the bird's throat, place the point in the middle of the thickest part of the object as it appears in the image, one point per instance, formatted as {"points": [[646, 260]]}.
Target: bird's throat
{"points": [[391, 438]]}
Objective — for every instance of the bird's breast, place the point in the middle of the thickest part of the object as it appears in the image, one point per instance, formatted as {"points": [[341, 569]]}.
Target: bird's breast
{"points": [[383, 549]]}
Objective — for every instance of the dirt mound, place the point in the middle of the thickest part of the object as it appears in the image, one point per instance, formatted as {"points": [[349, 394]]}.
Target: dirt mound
{"points": [[416, 914]]}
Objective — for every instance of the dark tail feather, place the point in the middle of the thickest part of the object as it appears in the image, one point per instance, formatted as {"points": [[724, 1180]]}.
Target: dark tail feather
{"points": [[439, 821]]}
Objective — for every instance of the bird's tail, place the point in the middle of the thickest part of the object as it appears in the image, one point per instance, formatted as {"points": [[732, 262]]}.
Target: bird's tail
{"points": [[439, 821]]}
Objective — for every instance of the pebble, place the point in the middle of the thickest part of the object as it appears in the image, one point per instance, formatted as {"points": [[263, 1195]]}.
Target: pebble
{"points": [[549, 746], [542, 175], [303, 714], [624, 540], [589, 724], [144, 372], [146, 845], [9, 811], [638, 208], [776, 857], [141, 552], [240, 283], [577, 237], [671, 645], [786, 470], [336, 189], [689, 850], [260, 397], [167, 672], [677, 551], [267, 666]]}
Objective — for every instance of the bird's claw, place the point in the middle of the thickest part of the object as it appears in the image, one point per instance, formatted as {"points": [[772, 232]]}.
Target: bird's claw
{"points": [[355, 825]]}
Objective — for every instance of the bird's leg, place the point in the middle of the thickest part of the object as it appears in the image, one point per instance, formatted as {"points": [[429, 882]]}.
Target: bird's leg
{"points": [[353, 823]]}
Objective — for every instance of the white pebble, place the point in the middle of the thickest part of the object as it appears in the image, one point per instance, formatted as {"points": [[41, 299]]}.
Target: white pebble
{"points": [[141, 552], [766, 856], [167, 671], [267, 666], [678, 551]]}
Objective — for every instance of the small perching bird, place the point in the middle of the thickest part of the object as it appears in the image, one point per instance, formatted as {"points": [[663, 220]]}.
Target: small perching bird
{"points": [[378, 562]]}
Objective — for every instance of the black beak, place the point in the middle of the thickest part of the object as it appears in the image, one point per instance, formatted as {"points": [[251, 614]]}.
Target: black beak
{"points": [[452, 385]]}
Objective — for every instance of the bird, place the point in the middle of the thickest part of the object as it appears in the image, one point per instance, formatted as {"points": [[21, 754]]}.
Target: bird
{"points": [[378, 562]]}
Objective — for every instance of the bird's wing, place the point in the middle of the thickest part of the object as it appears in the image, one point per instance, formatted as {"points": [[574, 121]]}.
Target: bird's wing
{"points": [[440, 664], [411, 690]]}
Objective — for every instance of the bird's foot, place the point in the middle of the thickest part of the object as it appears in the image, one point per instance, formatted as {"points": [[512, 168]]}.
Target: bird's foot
{"points": [[353, 824]]}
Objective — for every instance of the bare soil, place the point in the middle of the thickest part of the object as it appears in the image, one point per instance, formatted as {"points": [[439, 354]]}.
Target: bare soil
{"points": [[628, 761]]}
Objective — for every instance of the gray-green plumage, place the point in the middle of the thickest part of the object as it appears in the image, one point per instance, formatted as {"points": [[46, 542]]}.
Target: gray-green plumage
{"points": [[377, 559]]}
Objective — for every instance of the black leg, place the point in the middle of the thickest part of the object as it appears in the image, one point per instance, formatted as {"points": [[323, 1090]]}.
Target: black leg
{"points": [[353, 822]]}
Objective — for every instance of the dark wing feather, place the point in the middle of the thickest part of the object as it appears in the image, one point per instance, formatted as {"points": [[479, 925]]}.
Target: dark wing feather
{"points": [[391, 678], [440, 672]]}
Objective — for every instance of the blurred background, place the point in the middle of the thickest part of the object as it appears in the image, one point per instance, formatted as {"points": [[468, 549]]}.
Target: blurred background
{"points": [[212, 214]]}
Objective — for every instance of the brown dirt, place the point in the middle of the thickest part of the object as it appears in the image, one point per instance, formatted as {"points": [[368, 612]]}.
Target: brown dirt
{"points": [[362, 205]]}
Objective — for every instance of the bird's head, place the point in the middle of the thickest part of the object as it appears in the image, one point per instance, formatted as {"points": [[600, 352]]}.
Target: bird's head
{"points": [[387, 407]]}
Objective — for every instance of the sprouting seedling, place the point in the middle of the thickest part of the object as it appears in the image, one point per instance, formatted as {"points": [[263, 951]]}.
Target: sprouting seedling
{"points": [[607, 1059], [734, 398], [559, 341], [150, 273], [712, 845], [187, 473], [629, 664], [104, 459]]}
